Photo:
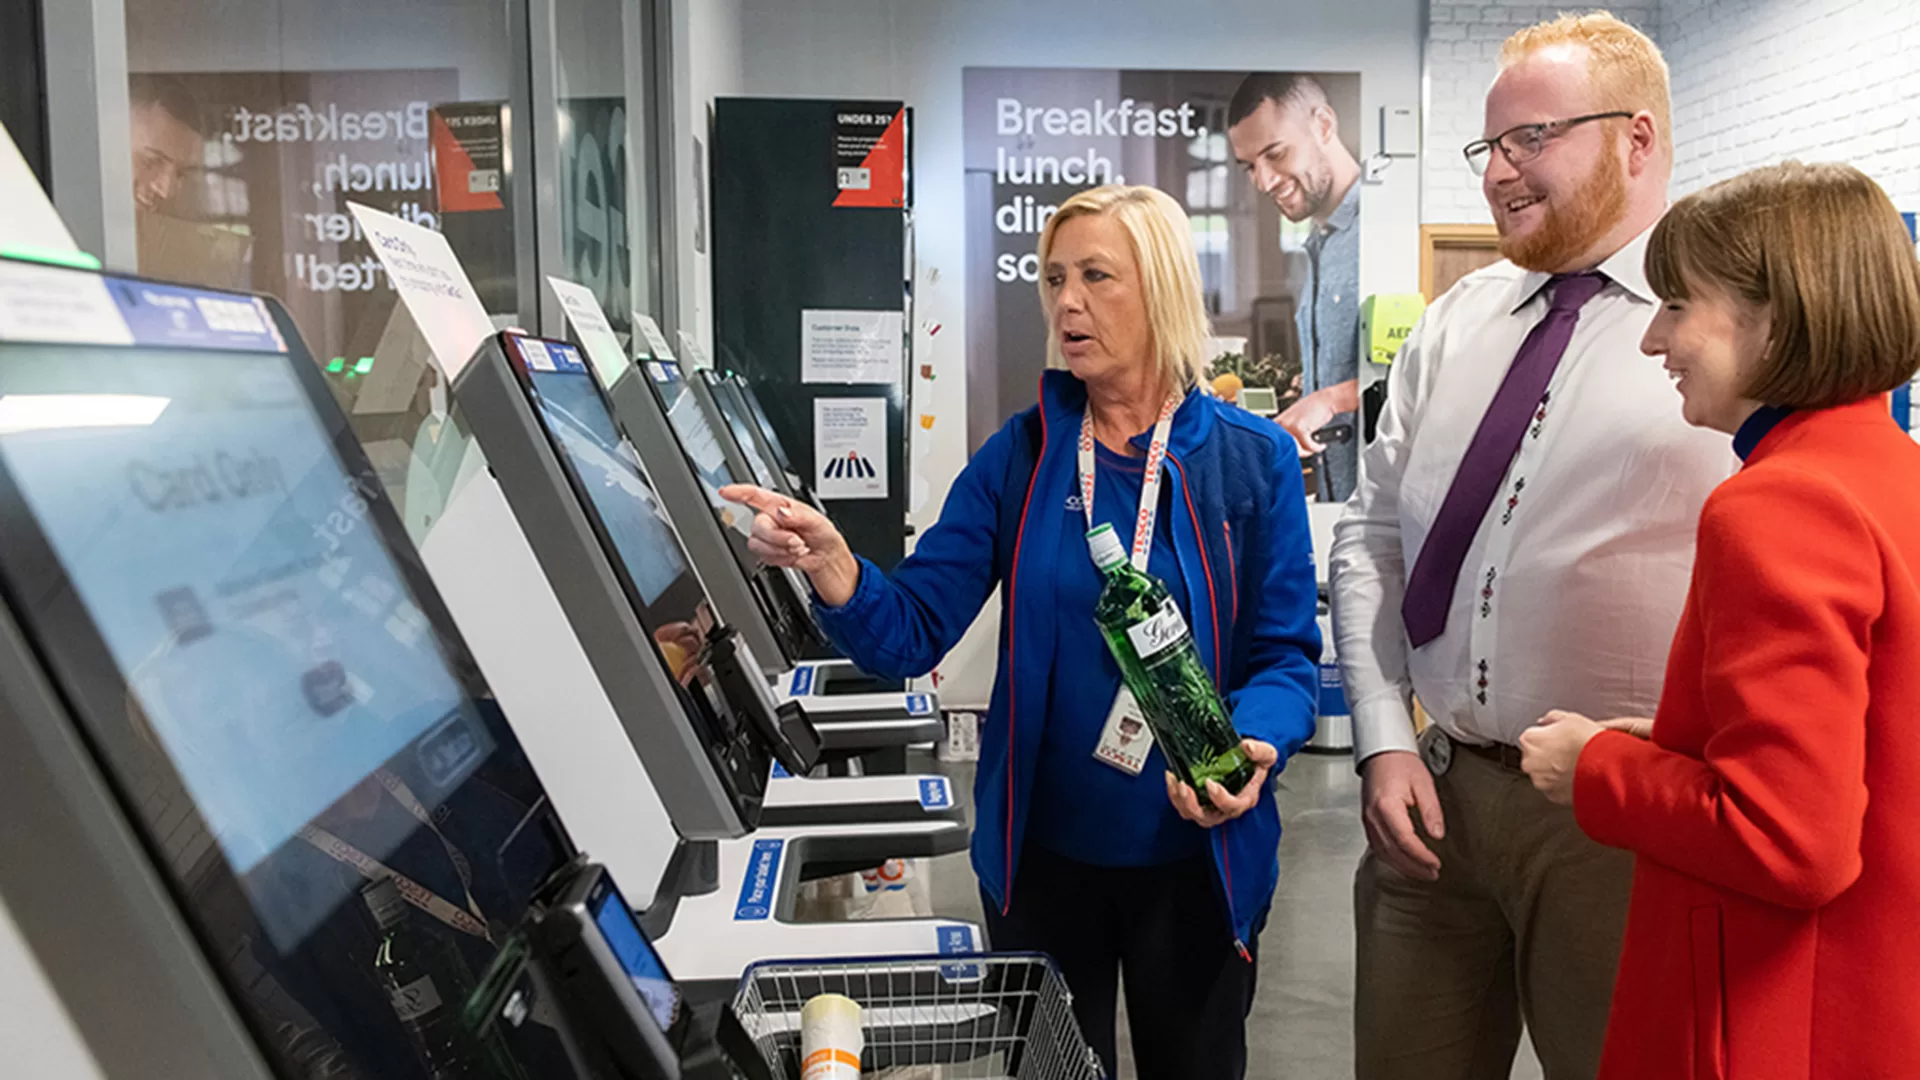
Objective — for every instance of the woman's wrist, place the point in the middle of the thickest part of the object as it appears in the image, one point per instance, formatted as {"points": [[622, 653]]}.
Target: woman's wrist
{"points": [[836, 579]]}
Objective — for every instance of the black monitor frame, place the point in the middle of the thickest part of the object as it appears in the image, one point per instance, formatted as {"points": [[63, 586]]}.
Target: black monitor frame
{"points": [[64, 705]]}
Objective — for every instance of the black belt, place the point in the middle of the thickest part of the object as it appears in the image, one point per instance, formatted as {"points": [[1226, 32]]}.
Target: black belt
{"points": [[1498, 753]]}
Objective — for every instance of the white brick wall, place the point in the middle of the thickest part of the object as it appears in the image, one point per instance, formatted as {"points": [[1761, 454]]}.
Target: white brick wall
{"points": [[1757, 81], [1463, 45], [1754, 81]]}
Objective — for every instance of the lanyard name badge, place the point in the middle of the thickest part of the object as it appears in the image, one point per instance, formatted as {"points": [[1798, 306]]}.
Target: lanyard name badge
{"points": [[468, 921], [1126, 739]]}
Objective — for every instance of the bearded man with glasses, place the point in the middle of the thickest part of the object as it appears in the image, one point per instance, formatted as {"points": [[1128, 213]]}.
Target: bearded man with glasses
{"points": [[1521, 538]]}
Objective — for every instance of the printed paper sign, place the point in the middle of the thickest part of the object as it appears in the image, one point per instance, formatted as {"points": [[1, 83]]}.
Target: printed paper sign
{"points": [[43, 303], [657, 346], [590, 325], [850, 448], [690, 348], [30, 220], [851, 346], [431, 283]]}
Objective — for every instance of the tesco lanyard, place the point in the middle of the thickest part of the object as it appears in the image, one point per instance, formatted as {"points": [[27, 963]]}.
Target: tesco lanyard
{"points": [[470, 921], [1149, 483]]}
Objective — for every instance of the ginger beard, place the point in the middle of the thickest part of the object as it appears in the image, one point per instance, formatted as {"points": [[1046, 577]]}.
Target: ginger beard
{"points": [[1572, 226]]}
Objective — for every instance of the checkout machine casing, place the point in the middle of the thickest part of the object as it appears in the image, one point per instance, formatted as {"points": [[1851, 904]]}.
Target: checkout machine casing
{"points": [[702, 931], [768, 604]]}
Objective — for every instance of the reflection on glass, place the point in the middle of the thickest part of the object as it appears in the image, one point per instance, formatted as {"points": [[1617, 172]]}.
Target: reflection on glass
{"points": [[742, 429], [675, 607], [212, 590], [271, 644], [702, 446]]}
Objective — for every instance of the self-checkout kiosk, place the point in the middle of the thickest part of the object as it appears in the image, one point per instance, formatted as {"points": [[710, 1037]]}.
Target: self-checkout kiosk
{"points": [[595, 515], [268, 818], [705, 936], [718, 403], [684, 444], [270, 788]]}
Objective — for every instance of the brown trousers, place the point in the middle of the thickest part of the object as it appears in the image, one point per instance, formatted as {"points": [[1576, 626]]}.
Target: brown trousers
{"points": [[1523, 924]]}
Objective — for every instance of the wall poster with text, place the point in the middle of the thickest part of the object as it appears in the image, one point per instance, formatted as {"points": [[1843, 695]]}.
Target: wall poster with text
{"points": [[1266, 166]]}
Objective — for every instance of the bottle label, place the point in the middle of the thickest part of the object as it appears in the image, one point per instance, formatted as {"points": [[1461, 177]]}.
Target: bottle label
{"points": [[1158, 632], [416, 999]]}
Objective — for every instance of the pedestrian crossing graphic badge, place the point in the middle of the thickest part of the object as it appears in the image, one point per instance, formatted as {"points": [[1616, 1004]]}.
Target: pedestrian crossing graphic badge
{"points": [[850, 448], [853, 466]]}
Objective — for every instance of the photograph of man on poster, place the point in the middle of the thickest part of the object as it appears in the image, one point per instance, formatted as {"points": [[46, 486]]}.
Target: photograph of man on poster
{"points": [[1286, 138], [1279, 256]]}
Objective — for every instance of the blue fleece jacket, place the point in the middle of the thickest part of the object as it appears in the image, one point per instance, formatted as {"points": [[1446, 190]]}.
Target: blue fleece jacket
{"points": [[1239, 527]]}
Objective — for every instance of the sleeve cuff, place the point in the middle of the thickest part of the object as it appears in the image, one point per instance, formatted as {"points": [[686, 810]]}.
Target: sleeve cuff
{"points": [[1598, 807], [866, 590], [1382, 724]]}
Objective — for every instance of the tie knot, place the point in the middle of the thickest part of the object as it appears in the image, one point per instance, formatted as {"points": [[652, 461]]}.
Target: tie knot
{"points": [[1570, 292]]}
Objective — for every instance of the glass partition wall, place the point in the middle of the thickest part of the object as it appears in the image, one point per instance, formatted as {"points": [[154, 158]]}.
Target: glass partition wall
{"points": [[252, 124]]}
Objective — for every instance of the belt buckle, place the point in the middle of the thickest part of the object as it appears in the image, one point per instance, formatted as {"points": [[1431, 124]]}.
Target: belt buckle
{"points": [[1436, 749]]}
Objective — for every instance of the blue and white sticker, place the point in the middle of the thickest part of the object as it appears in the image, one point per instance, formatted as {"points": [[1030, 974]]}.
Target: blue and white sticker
{"points": [[763, 874], [919, 705], [1333, 691], [957, 941], [566, 358], [535, 354], [934, 793], [802, 681], [658, 371]]}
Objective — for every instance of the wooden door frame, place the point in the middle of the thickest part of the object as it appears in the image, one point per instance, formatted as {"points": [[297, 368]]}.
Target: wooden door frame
{"points": [[1433, 237]]}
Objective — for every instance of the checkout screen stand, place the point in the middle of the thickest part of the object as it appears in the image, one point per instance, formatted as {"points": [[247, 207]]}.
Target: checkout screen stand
{"points": [[701, 654], [784, 605], [209, 571]]}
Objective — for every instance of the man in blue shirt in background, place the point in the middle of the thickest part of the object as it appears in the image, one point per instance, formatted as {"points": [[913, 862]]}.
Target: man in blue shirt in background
{"points": [[1286, 136]]}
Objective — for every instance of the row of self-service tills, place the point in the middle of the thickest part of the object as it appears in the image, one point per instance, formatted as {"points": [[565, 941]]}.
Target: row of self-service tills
{"points": [[438, 915]]}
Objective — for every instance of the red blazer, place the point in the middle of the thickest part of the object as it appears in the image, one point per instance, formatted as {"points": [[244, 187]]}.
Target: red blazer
{"points": [[1775, 924]]}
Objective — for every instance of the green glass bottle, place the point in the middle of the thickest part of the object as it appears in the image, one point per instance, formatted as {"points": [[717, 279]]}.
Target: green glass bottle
{"points": [[1159, 663], [427, 982]]}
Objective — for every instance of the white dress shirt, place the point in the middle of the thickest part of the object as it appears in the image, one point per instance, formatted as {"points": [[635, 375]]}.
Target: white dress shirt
{"points": [[1571, 590]]}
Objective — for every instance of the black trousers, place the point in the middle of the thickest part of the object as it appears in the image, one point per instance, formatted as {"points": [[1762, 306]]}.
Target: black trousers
{"points": [[1188, 988]]}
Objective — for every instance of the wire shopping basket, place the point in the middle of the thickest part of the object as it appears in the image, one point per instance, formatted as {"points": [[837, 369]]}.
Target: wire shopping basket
{"points": [[991, 1016]]}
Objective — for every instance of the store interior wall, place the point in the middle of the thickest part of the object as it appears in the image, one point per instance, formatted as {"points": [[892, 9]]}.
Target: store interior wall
{"points": [[1754, 82], [708, 58], [1757, 81], [915, 53]]}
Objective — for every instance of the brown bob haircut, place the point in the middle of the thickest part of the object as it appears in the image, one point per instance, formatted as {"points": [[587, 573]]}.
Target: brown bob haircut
{"points": [[1823, 248]]}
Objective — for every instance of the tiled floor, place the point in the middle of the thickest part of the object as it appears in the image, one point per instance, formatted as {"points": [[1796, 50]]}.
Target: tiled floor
{"points": [[1302, 1022]]}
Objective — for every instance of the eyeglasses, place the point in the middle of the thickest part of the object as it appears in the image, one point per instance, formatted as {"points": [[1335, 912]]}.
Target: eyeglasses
{"points": [[1524, 143]]}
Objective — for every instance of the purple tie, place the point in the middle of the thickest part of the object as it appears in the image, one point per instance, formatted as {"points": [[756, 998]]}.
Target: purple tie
{"points": [[1484, 466]]}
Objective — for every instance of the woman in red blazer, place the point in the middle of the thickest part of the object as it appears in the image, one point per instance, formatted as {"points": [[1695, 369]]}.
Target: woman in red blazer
{"points": [[1774, 803]]}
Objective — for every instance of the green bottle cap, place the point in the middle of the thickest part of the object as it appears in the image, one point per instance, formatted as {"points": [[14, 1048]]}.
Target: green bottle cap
{"points": [[1107, 552]]}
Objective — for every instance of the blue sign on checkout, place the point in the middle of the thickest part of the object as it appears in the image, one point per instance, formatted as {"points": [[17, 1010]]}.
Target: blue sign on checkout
{"points": [[934, 793], [919, 705], [958, 941], [802, 681], [763, 875]]}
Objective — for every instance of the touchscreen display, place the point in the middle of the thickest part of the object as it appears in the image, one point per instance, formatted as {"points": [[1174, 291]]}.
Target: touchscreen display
{"points": [[637, 958], [742, 428], [674, 605], [760, 417], [702, 447], [267, 638]]}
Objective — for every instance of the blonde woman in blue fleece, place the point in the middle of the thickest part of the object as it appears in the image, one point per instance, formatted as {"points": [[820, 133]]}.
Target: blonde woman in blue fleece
{"points": [[1108, 869]]}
